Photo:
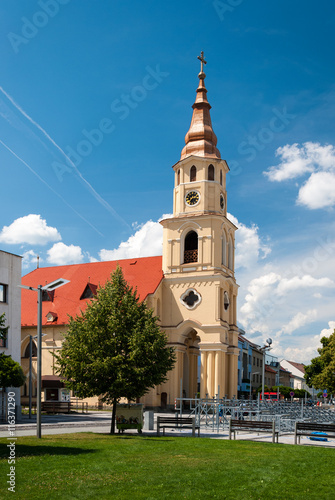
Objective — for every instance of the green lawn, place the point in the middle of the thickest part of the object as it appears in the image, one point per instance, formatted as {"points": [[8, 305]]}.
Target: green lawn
{"points": [[87, 465]]}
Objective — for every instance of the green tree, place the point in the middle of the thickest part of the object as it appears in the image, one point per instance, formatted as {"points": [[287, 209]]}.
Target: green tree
{"points": [[321, 372], [115, 348], [11, 373]]}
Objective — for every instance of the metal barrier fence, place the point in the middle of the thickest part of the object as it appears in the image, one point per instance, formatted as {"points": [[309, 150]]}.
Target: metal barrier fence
{"points": [[214, 414]]}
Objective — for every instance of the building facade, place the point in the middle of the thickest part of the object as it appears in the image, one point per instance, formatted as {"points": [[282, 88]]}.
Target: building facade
{"points": [[194, 292], [10, 305]]}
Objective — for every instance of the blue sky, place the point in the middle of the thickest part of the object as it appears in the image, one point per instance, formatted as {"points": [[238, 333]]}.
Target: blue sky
{"points": [[111, 84]]}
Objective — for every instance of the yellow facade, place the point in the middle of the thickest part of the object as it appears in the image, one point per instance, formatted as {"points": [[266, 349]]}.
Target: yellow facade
{"points": [[198, 295]]}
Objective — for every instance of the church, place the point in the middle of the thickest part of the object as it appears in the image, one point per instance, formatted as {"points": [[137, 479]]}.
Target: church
{"points": [[191, 287]]}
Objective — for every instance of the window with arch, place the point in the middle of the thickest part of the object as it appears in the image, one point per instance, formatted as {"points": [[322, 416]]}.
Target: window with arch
{"points": [[211, 173], [224, 249], [34, 351], [191, 247], [221, 177], [193, 173], [225, 301], [178, 177], [230, 253]]}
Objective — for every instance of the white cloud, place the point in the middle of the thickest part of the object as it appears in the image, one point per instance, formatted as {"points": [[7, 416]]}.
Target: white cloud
{"points": [[270, 297], [29, 258], [318, 191], [31, 229], [299, 320], [61, 254], [294, 163], [249, 247], [311, 158], [146, 242], [306, 281], [304, 348], [326, 332]]}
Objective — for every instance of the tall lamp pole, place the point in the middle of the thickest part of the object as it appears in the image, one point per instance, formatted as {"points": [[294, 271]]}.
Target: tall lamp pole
{"points": [[49, 287], [265, 348]]}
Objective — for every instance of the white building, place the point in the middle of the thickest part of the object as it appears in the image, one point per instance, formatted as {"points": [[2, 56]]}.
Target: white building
{"points": [[10, 304], [297, 374]]}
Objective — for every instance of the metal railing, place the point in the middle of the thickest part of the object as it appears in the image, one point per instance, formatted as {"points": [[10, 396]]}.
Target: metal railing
{"points": [[214, 413]]}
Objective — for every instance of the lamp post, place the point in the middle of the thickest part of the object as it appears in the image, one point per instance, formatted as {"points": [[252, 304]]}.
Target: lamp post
{"points": [[30, 370], [49, 287], [265, 348]]}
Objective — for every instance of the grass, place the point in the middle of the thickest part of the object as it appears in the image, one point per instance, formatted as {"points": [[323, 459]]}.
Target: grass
{"points": [[87, 465]]}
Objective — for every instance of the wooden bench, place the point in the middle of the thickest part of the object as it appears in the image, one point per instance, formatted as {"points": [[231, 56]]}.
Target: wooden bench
{"points": [[56, 406], [253, 426], [309, 428], [177, 423]]}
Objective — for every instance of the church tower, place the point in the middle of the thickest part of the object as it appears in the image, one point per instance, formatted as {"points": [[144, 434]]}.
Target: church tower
{"points": [[199, 289]]}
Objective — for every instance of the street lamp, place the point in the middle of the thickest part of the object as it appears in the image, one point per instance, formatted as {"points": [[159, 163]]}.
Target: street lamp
{"points": [[30, 369], [49, 287], [265, 348]]}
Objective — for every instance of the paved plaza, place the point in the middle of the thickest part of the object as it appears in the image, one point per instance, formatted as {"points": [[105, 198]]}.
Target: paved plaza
{"points": [[100, 422]]}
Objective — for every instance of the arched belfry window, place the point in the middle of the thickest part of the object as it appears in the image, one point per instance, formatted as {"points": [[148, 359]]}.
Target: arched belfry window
{"points": [[191, 247], [221, 177], [211, 173], [230, 254], [178, 177], [193, 173], [224, 249]]}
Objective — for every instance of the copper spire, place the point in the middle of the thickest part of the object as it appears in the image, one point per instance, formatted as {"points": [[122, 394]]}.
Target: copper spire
{"points": [[200, 140]]}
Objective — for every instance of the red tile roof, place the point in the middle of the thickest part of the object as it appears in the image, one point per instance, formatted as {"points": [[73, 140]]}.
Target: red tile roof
{"points": [[299, 366], [269, 369], [144, 273]]}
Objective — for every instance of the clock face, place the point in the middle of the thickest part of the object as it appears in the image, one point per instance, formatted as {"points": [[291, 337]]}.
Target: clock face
{"points": [[192, 198], [222, 201]]}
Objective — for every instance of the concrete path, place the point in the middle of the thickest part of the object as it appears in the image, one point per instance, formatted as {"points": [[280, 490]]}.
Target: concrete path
{"points": [[99, 422]]}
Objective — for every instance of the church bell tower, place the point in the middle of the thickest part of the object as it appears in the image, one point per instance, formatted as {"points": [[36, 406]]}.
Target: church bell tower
{"points": [[198, 264]]}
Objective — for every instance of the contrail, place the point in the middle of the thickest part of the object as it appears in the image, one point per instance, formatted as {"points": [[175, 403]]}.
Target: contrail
{"points": [[46, 184], [103, 202]]}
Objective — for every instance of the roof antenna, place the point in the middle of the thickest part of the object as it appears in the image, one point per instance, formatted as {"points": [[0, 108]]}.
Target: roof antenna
{"points": [[38, 262]]}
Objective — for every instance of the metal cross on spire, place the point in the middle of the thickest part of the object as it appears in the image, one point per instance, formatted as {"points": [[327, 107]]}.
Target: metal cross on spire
{"points": [[202, 60]]}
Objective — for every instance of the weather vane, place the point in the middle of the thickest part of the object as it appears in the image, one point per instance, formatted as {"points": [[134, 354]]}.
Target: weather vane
{"points": [[202, 60]]}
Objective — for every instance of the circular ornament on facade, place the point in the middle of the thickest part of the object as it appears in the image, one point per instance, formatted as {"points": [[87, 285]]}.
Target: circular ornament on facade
{"points": [[222, 202], [192, 198], [191, 298]]}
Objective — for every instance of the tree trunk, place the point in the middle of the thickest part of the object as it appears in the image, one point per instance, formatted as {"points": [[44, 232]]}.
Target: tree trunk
{"points": [[113, 416]]}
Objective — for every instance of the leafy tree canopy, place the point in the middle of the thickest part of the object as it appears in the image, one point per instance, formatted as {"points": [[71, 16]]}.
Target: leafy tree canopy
{"points": [[11, 373], [321, 372], [115, 348]]}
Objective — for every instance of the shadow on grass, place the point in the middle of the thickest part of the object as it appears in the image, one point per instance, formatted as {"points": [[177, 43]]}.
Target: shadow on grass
{"points": [[25, 450], [146, 437]]}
